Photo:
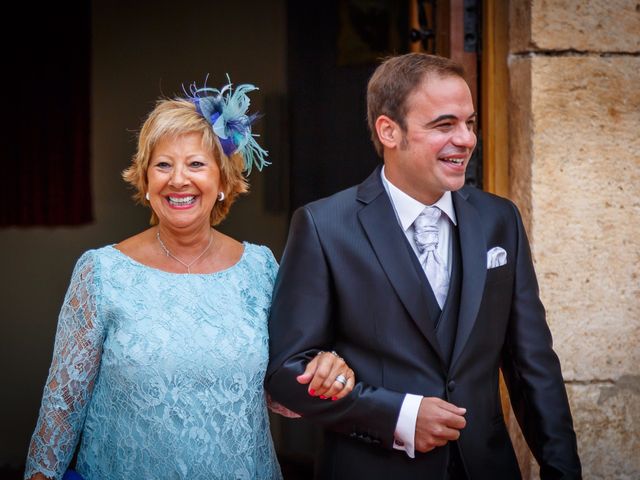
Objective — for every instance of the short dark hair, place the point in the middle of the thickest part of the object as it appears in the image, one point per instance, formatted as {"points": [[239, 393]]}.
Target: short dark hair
{"points": [[395, 79]]}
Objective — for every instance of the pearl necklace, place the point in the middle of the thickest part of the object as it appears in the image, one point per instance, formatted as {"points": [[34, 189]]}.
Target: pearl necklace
{"points": [[187, 265]]}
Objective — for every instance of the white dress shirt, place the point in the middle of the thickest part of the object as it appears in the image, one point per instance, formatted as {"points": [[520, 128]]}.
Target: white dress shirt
{"points": [[407, 210]]}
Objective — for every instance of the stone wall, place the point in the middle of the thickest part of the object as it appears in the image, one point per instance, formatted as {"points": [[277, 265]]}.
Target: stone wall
{"points": [[575, 173]]}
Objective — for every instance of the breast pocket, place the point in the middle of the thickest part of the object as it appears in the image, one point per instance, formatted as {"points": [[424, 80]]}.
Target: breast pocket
{"points": [[499, 274]]}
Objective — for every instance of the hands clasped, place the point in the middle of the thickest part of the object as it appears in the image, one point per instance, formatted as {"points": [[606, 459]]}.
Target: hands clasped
{"points": [[328, 376], [438, 422]]}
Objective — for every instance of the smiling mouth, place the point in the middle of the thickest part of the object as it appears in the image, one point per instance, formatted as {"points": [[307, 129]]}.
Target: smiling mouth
{"points": [[454, 161], [181, 201]]}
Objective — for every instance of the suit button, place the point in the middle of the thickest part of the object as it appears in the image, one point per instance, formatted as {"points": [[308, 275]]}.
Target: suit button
{"points": [[451, 386]]}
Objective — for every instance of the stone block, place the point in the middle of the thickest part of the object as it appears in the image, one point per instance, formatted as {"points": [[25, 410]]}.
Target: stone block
{"points": [[607, 424], [519, 26], [591, 26], [585, 209], [520, 139]]}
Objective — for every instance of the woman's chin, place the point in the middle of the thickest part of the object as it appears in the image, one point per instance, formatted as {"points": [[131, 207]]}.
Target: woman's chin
{"points": [[184, 221]]}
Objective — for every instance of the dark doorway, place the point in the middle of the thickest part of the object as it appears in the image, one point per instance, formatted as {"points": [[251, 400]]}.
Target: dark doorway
{"points": [[333, 47]]}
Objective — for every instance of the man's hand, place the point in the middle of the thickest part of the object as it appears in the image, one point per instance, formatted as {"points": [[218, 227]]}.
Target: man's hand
{"points": [[438, 423]]}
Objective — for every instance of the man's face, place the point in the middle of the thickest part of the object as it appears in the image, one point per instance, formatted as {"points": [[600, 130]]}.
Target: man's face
{"points": [[433, 153]]}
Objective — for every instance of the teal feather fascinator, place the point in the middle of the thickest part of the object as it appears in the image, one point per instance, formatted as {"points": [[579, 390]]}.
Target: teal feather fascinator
{"points": [[226, 110]]}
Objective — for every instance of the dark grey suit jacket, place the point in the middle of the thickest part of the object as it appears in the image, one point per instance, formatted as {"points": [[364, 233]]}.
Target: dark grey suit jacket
{"points": [[347, 283]]}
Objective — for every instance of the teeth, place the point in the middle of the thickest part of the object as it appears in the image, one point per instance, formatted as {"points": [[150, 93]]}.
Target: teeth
{"points": [[455, 161], [182, 200]]}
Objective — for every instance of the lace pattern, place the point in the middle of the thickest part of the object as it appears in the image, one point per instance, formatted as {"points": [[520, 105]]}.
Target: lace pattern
{"points": [[159, 375]]}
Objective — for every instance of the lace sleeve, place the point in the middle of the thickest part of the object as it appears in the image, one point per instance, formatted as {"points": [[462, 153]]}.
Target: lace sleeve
{"points": [[75, 363], [272, 265]]}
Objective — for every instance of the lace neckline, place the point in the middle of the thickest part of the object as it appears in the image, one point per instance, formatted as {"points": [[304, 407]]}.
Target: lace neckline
{"points": [[217, 272]]}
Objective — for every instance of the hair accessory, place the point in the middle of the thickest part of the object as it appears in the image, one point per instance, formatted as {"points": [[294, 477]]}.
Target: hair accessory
{"points": [[220, 196], [226, 110]]}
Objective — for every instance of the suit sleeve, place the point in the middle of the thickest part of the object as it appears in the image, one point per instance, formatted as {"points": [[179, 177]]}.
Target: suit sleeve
{"points": [[302, 323], [532, 373]]}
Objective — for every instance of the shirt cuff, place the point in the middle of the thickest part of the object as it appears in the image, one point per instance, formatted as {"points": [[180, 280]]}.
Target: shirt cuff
{"points": [[405, 433]]}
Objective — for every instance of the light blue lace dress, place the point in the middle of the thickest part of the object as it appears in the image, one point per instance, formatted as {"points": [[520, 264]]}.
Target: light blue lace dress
{"points": [[160, 375]]}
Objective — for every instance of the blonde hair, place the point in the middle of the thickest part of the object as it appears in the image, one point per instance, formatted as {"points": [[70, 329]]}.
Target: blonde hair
{"points": [[172, 118]]}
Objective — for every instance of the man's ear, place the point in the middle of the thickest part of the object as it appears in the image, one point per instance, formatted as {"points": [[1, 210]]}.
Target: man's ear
{"points": [[388, 132]]}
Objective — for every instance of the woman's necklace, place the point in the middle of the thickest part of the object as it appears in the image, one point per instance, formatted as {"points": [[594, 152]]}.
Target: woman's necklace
{"points": [[187, 265]]}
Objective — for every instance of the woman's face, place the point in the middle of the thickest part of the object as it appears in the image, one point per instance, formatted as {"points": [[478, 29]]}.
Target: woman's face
{"points": [[183, 180]]}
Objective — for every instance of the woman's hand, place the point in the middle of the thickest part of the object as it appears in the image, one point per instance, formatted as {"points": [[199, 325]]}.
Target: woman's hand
{"points": [[324, 374]]}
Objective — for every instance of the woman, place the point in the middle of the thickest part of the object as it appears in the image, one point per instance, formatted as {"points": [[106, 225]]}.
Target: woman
{"points": [[162, 345]]}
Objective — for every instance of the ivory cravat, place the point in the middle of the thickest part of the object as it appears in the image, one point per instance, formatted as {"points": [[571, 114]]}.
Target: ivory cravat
{"points": [[425, 234]]}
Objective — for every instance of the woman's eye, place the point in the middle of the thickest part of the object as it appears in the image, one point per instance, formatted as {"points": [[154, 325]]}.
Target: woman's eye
{"points": [[197, 164], [162, 165]]}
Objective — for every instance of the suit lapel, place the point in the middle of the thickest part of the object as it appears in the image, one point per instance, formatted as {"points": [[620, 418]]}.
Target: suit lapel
{"points": [[380, 224], [474, 269]]}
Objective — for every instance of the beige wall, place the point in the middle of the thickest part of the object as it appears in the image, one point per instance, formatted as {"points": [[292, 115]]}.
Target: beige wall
{"points": [[575, 171], [140, 50]]}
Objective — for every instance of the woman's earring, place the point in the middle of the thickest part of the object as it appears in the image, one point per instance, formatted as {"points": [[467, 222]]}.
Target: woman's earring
{"points": [[220, 196], [146, 195]]}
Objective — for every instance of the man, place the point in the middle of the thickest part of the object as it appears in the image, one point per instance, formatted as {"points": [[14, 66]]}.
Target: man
{"points": [[426, 288]]}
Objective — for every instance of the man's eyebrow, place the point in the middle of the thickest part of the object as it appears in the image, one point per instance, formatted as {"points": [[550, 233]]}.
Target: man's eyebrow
{"points": [[449, 116]]}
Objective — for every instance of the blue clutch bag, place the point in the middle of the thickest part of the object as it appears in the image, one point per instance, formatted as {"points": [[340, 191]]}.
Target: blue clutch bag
{"points": [[72, 475]]}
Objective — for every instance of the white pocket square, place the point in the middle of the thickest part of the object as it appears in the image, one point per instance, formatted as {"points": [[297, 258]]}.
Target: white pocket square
{"points": [[496, 257]]}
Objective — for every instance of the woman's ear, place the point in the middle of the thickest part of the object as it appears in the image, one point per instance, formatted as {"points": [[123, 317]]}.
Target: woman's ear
{"points": [[388, 132]]}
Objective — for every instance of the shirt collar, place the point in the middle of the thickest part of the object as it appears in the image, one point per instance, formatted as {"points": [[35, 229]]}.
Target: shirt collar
{"points": [[408, 208]]}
